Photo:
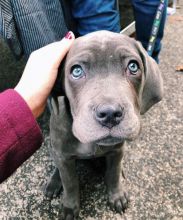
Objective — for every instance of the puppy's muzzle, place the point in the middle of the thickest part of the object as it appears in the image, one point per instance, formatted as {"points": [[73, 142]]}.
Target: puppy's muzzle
{"points": [[109, 115]]}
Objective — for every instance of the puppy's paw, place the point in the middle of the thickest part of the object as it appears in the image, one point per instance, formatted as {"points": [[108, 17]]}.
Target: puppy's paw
{"points": [[118, 201], [53, 188], [70, 214]]}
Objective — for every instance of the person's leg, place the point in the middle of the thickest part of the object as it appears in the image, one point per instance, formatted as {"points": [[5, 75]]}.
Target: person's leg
{"points": [[93, 15], [144, 13]]}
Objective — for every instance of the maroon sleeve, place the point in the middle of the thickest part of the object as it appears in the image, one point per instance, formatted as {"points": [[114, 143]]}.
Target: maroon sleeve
{"points": [[20, 135]]}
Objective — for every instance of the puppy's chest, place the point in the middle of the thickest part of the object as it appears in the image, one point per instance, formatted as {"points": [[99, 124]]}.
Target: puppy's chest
{"points": [[90, 150], [84, 151]]}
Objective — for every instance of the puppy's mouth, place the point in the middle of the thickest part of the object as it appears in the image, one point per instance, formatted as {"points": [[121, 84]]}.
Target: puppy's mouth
{"points": [[110, 141]]}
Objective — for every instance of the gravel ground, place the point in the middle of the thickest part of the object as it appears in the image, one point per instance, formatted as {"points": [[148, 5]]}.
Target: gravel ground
{"points": [[153, 164]]}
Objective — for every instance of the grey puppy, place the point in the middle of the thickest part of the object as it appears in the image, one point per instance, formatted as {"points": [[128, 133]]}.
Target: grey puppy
{"points": [[108, 80]]}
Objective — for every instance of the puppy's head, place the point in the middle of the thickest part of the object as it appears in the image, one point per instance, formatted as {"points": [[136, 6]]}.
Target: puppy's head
{"points": [[109, 80]]}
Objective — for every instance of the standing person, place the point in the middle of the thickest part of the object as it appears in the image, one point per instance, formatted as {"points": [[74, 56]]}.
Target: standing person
{"points": [[144, 13], [92, 15]]}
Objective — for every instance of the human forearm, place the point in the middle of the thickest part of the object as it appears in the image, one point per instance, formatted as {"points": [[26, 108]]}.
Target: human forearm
{"points": [[20, 134]]}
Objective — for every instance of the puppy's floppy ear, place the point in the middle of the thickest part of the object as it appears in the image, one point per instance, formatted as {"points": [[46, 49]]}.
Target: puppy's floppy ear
{"points": [[59, 104], [54, 105], [58, 91], [58, 88], [152, 91]]}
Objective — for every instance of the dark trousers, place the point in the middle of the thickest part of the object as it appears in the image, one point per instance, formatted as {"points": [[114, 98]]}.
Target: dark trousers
{"points": [[93, 15], [144, 13]]}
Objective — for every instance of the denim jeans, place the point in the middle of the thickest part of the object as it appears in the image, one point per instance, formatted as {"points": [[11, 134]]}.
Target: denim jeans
{"points": [[93, 15], [144, 14]]}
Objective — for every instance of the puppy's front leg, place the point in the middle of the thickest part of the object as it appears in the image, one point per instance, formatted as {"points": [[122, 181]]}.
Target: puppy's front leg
{"points": [[71, 203], [117, 197]]}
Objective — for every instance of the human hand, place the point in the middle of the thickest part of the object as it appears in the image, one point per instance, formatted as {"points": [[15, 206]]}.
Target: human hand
{"points": [[40, 73]]}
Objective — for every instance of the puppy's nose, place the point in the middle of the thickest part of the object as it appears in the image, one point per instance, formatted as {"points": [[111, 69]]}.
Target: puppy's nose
{"points": [[109, 115]]}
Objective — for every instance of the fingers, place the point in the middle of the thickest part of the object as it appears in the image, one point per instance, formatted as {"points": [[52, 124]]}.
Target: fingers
{"points": [[55, 52], [64, 45]]}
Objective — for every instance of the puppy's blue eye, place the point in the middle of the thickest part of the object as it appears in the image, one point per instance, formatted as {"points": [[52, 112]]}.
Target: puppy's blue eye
{"points": [[77, 72], [133, 67]]}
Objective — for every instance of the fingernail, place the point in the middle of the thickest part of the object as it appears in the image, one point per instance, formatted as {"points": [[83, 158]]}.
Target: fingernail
{"points": [[69, 35]]}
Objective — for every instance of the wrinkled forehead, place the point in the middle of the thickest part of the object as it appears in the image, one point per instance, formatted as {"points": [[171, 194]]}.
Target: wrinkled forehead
{"points": [[103, 42]]}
